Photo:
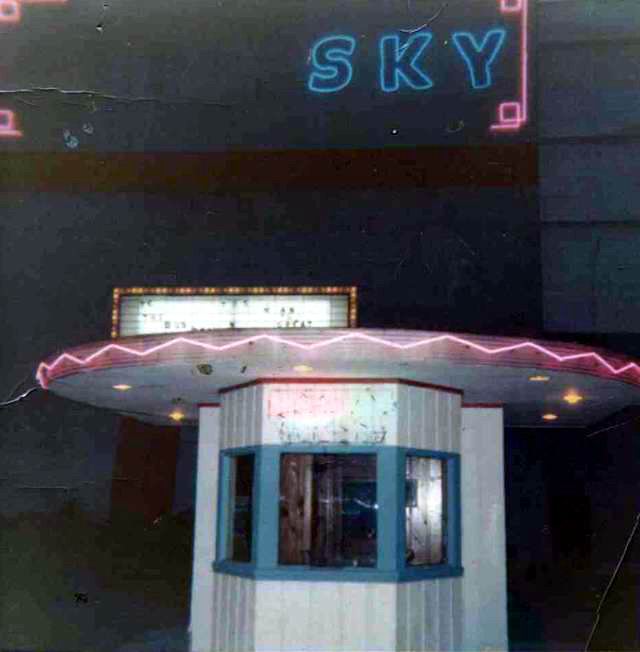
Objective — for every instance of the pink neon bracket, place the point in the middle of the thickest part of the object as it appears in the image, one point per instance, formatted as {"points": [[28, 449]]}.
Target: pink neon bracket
{"points": [[510, 6], [512, 114], [8, 125], [9, 11]]}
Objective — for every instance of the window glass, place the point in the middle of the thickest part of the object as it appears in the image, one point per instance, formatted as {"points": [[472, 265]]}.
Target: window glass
{"points": [[426, 511], [328, 510], [241, 512]]}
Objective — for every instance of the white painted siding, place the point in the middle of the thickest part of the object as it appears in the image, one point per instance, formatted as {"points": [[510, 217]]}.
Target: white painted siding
{"points": [[484, 584], [429, 612], [325, 616], [457, 606], [222, 606], [430, 615], [234, 603], [202, 588], [233, 611], [242, 417], [428, 418]]}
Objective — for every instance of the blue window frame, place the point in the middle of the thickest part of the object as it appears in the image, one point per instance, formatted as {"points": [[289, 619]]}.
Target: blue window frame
{"points": [[237, 496], [391, 497], [438, 549]]}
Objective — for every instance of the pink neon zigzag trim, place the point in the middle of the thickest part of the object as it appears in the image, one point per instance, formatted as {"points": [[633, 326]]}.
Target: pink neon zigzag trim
{"points": [[45, 368]]}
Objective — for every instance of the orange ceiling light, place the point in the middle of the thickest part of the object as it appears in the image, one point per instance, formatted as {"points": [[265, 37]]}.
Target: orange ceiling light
{"points": [[549, 416], [176, 415], [539, 378], [572, 397]]}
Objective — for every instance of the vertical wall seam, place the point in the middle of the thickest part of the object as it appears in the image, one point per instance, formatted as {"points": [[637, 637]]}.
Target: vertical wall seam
{"points": [[240, 622], [450, 422], [258, 421], [246, 415], [214, 606], [439, 428], [403, 439], [224, 409], [438, 610], [250, 436]]}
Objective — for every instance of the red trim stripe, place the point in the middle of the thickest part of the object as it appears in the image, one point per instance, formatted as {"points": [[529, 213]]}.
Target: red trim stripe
{"points": [[504, 165], [341, 381]]}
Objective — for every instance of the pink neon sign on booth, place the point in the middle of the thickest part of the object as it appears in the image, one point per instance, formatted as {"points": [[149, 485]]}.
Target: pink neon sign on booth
{"points": [[306, 403]]}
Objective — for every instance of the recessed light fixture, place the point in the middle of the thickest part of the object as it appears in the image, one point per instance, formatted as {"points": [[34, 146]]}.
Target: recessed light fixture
{"points": [[538, 378], [572, 397], [302, 368], [122, 387], [176, 415], [549, 416]]}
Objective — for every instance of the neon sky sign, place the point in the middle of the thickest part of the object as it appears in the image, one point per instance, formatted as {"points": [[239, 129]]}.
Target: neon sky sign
{"points": [[404, 62]]}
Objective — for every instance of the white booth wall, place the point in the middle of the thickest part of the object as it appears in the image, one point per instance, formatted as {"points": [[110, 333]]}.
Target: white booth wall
{"points": [[455, 613]]}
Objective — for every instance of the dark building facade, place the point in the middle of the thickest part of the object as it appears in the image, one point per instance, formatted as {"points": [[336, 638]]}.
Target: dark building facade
{"points": [[280, 147]]}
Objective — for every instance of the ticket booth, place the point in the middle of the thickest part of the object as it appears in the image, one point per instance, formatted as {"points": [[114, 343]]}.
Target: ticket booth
{"points": [[350, 483]]}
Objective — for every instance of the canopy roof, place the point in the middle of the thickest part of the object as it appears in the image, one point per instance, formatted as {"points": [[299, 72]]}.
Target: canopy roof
{"points": [[163, 369]]}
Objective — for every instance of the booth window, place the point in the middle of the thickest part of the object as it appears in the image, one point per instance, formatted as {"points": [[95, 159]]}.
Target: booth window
{"points": [[328, 510], [426, 511], [239, 531], [332, 513]]}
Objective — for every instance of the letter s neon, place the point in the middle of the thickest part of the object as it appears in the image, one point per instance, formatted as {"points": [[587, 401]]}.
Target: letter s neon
{"points": [[330, 58]]}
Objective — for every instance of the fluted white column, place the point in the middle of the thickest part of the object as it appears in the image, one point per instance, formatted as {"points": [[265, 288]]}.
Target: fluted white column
{"points": [[202, 609], [484, 584]]}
